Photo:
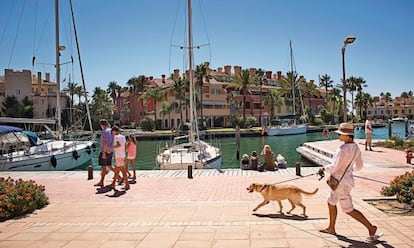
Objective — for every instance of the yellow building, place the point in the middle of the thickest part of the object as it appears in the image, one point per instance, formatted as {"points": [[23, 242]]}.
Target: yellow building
{"points": [[41, 91]]}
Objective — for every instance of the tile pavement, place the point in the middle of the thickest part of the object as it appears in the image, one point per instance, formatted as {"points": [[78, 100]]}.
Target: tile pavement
{"points": [[166, 209]]}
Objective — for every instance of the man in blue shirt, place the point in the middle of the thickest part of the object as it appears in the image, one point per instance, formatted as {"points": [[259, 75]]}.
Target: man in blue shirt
{"points": [[105, 154]]}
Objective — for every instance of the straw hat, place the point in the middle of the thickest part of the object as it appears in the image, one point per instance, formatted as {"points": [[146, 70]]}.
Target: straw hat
{"points": [[345, 129], [245, 156]]}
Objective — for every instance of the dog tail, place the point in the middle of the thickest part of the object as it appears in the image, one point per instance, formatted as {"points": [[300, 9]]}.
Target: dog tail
{"points": [[309, 193]]}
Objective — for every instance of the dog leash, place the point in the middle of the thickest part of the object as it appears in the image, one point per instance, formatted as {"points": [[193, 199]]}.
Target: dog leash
{"points": [[321, 175]]}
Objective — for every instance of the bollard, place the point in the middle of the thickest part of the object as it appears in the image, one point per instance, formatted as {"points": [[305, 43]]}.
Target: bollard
{"points": [[297, 165], [90, 172], [190, 171], [389, 129]]}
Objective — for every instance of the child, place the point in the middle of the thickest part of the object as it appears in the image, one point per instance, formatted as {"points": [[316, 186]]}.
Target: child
{"points": [[119, 148], [131, 149]]}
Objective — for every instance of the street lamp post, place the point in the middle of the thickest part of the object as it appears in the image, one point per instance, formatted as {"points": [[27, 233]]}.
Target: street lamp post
{"points": [[348, 40]]}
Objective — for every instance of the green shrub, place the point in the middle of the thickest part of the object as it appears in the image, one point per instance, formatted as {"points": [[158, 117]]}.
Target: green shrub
{"points": [[147, 124], [402, 187], [19, 197]]}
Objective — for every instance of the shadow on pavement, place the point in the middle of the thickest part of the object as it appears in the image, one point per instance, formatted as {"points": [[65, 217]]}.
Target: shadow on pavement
{"points": [[117, 193], [288, 217], [357, 243], [103, 190]]}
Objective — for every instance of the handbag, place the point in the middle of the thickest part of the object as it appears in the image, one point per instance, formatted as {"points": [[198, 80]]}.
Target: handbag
{"points": [[333, 182]]}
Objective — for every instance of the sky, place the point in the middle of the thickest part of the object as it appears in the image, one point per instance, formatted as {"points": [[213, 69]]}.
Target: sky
{"points": [[122, 39]]}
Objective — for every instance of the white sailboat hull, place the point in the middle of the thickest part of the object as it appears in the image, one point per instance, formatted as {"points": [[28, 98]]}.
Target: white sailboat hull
{"points": [[285, 130], [199, 154], [50, 156]]}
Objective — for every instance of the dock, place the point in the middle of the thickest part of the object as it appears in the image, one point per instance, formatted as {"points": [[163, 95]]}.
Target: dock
{"points": [[212, 209]]}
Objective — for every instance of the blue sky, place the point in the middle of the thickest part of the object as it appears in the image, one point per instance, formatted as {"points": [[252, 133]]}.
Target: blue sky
{"points": [[119, 41]]}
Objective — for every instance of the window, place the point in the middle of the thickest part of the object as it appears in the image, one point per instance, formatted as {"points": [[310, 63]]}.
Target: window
{"points": [[216, 91]]}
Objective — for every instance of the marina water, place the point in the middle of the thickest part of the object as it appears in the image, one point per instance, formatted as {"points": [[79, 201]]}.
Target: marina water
{"points": [[147, 150]]}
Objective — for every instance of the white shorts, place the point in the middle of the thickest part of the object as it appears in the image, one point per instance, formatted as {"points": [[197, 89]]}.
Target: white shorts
{"points": [[119, 162], [343, 195]]}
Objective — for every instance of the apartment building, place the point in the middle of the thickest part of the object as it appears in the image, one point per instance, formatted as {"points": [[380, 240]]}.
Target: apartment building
{"points": [[216, 96], [41, 91]]}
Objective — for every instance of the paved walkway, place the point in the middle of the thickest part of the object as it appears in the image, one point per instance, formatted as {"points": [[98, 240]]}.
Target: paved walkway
{"points": [[166, 209]]}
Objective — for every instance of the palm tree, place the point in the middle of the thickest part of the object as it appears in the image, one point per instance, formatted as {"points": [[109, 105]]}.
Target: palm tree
{"points": [[71, 87], [113, 89], [155, 93], [166, 109], [335, 97], [242, 82], [351, 85], [326, 83], [366, 102], [136, 85], [273, 99], [405, 95], [102, 105], [201, 74], [260, 80], [387, 97], [309, 89], [178, 89]]}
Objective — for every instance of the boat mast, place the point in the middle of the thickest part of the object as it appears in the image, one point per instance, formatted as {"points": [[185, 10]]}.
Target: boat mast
{"points": [[293, 81], [190, 73], [58, 113]]}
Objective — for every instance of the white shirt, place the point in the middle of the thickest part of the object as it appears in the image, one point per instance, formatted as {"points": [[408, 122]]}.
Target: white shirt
{"points": [[368, 126], [346, 153], [120, 140]]}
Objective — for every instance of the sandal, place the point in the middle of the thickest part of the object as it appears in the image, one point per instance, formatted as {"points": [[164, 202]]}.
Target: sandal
{"points": [[327, 231], [374, 237]]}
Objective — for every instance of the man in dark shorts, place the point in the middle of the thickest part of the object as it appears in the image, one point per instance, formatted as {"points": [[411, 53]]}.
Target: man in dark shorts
{"points": [[105, 154]]}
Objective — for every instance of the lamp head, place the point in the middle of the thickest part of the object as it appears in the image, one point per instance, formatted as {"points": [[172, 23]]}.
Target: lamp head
{"points": [[349, 39]]}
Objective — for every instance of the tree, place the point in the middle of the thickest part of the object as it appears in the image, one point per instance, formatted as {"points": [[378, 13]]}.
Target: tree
{"points": [[201, 74], [12, 107], [113, 90], [136, 86], [178, 89], [260, 80], [326, 83], [166, 109], [102, 106], [405, 95], [71, 87], [273, 99], [27, 108], [242, 82], [309, 89], [155, 94], [387, 97], [335, 97]]}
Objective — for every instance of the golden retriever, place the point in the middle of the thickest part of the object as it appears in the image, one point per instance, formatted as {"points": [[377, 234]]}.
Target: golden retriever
{"points": [[274, 192]]}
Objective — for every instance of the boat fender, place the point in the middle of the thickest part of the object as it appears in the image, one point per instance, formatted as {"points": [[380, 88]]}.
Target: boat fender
{"points": [[88, 150], [53, 161], [325, 132], [75, 154]]}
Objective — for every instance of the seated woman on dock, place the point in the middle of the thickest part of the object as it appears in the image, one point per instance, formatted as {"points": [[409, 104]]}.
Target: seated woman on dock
{"points": [[254, 161], [245, 162], [268, 157]]}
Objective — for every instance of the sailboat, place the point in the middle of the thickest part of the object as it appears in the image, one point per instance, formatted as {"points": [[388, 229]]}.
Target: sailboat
{"points": [[22, 150], [288, 125], [189, 150]]}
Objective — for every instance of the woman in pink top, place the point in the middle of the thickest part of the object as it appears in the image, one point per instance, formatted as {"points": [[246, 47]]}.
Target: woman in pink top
{"points": [[131, 149]]}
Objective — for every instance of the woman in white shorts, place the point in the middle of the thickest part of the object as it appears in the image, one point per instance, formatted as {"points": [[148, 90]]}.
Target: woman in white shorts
{"points": [[347, 157]]}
